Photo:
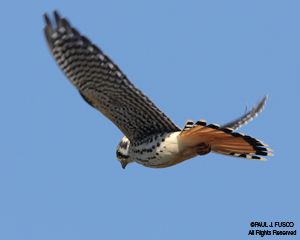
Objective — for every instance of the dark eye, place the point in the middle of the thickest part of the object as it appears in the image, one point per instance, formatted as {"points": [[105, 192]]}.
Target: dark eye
{"points": [[119, 155]]}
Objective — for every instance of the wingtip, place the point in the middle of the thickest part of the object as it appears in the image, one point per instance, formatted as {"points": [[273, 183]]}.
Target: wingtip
{"points": [[261, 105], [46, 18], [56, 14], [48, 22], [248, 116], [57, 18]]}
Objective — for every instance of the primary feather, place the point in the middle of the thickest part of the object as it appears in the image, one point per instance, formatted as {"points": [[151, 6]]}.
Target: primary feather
{"points": [[102, 84]]}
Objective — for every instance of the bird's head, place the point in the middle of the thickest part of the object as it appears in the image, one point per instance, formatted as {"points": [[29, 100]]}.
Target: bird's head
{"points": [[123, 152]]}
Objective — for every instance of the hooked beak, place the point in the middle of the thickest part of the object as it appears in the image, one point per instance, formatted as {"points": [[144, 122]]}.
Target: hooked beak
{"points": [[124, 164]]}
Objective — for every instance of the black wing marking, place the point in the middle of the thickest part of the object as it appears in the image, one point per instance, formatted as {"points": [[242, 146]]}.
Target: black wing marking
{"points": [[102, 84]]}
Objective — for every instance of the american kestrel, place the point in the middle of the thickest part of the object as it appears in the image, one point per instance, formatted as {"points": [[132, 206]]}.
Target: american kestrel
{"points": [[151, 138]]}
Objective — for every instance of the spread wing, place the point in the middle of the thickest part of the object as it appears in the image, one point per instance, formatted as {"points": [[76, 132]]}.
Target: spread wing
{"points": [[247, 117], [102, 84]]}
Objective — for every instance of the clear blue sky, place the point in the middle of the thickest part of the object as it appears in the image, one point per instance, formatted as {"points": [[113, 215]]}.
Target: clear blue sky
{"points": [[59, 176]]}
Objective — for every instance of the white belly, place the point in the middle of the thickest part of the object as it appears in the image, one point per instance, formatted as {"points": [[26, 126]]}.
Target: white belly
{"points": [[161, 150]]}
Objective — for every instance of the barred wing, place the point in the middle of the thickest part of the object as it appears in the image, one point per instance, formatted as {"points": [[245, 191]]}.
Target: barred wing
{"points": [[102, 84], [247, 117]]}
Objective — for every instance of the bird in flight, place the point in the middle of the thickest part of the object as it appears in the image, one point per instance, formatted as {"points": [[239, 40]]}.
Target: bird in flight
{"points": [[151, 138]]}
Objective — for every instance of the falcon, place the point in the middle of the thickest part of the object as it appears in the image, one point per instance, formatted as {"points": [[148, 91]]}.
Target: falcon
{"points": [[151, 138]]}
